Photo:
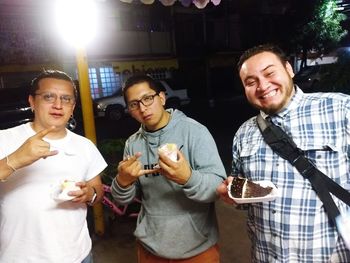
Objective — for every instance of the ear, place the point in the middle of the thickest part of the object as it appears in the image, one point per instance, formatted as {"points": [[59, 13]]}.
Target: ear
{"points": [[289, 69], [31, 101], [162, 97], [73, 107]]}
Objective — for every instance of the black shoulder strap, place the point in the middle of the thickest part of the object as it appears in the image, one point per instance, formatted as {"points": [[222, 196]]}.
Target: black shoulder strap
{"points": [[283, 145]]}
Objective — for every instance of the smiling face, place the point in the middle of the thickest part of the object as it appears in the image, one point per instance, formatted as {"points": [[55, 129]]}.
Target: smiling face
{"points": [[52, 111], [267, 82], [154, 116]]}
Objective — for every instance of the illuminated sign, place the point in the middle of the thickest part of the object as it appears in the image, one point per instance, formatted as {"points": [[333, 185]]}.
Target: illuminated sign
{"points": [[144, 67]]}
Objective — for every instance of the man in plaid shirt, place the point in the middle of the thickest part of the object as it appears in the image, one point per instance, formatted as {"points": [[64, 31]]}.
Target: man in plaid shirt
{"points": [[294, 227]]}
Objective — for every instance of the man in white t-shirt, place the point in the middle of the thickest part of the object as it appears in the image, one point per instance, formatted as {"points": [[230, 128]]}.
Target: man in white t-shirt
{"points": [[36, 223]]}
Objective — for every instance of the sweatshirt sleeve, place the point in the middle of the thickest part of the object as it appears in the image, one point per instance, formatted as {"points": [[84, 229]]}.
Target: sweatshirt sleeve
{"points": [[123, 195], [207, 168]]}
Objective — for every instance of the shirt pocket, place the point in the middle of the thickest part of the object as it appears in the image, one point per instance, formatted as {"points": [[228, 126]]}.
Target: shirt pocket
{"points": [[253, 157], [329, 159], [249, 149]]}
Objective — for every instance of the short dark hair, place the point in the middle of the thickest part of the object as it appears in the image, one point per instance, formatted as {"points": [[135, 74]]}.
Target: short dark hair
{"points": [[51, 73], [262, 48], [136, 79]]}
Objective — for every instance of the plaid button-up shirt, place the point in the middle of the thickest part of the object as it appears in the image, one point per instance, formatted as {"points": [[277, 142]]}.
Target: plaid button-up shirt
{"points": [[295, 227]]}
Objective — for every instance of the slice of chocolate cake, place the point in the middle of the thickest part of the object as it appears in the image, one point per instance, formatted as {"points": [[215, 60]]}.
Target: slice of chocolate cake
{"points": [[243, 188], [255, 190], [237, 186]]}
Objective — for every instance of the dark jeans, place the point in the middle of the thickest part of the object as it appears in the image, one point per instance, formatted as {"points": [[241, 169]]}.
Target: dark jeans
{"points": [[88, 259]]}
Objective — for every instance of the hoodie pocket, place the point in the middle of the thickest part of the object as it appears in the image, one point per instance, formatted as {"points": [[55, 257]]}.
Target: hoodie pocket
{"points": [[169, 236]]}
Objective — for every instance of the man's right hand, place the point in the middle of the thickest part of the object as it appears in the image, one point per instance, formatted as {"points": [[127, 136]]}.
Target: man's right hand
{"points": [[33, 149], [130, 169], [221, 190]]}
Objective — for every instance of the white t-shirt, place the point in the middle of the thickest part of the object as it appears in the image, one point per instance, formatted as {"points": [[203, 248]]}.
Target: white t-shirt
{"points": [[33, 226]]}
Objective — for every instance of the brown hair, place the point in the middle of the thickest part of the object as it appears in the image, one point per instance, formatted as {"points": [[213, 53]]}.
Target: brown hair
{"points": [[259, 49], [51, 73]]}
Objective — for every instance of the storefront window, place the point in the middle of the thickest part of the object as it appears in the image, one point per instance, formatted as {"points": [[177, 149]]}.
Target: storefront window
{"points": [[103, 81]]}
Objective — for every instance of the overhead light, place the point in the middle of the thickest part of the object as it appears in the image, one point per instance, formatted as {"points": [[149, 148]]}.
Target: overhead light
{"points": [[216, 2], [147, 2], [167, 2], [200, 3], [186, 3], [76, 20]]}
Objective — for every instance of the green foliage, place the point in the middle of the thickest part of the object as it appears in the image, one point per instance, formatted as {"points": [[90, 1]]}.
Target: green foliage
{"points": [[323, 31], [326, 26], [112, 150]]}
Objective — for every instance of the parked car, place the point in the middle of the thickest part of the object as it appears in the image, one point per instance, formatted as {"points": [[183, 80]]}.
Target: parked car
{"points": [[113, 107], [14, 107], [310, 77]]}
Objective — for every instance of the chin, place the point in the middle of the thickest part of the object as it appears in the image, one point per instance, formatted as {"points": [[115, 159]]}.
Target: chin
{"points": [[57, 125], [272, 109], [269, 111]]}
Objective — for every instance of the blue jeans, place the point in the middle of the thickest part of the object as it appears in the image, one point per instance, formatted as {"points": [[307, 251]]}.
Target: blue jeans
{"points": [[88, 259]]}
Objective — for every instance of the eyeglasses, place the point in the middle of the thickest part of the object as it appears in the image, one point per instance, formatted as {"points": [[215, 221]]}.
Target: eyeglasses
{"points": [[145, 100], [52, 97]]}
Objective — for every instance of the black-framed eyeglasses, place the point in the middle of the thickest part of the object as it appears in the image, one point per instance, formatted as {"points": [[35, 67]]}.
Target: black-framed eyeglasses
{"points": [[50, 97], [146, 100]]}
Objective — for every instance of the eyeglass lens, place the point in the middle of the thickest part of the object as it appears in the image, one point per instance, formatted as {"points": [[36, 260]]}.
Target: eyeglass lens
{"points": [[52, 97], [146, 101]]}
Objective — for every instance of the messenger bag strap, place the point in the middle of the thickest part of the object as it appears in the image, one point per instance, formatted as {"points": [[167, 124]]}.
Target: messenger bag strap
{"points": [[283, 145]]}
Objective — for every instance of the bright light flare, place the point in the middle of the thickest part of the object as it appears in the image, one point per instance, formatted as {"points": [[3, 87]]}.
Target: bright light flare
{"points": [[76, 20]]}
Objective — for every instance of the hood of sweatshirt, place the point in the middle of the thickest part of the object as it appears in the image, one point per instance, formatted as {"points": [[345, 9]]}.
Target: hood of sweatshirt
{"points": [[153, 140]]}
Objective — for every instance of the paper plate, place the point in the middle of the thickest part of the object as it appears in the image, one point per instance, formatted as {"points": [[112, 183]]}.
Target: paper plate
{"points": [[270, 197], [62, 195]]}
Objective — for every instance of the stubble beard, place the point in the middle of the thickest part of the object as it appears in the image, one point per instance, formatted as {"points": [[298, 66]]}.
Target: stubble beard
{"points": [[275, 108]]}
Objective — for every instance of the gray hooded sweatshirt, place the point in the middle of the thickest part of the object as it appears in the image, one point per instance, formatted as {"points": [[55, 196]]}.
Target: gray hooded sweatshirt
{"points": [[176, 221]]}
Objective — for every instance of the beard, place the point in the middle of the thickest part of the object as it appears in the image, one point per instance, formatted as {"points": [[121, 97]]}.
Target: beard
{"points": [[274, 108]]}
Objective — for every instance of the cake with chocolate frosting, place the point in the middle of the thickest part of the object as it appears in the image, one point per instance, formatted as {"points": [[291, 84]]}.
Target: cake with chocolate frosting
{"points": [[243, 188]]}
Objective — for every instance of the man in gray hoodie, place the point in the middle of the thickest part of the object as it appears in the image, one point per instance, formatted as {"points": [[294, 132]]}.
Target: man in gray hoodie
{"points": [[177, 219]]}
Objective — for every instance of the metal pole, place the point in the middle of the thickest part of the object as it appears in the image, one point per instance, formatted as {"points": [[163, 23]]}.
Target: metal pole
{"points": [[89, 122]]}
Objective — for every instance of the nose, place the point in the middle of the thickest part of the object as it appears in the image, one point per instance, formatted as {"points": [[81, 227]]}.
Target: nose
{"points": [[263, 84], [57, 103], [142, 107]]}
